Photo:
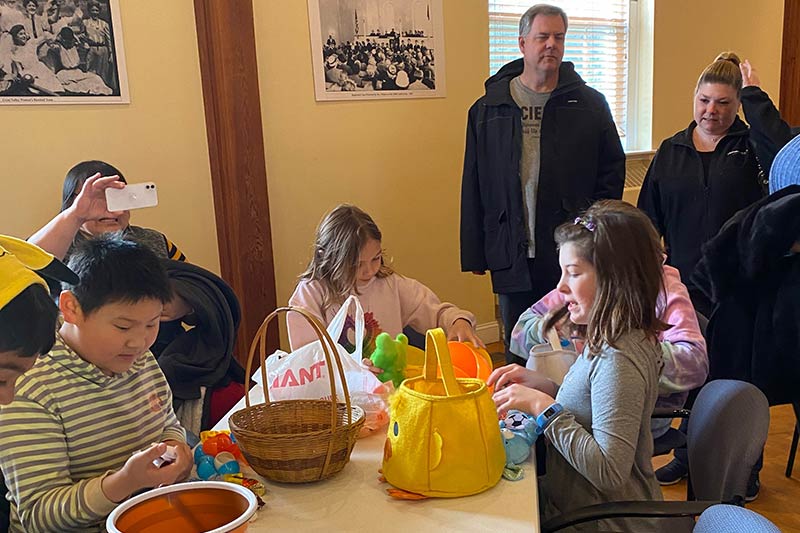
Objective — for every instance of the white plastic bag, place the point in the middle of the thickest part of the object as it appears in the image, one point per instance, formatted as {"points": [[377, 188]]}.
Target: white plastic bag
{"points": [[303, 374], [551, 359]]}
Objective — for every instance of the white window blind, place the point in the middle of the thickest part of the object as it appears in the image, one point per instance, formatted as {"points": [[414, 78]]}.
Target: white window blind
{"points": [[597, 43]]}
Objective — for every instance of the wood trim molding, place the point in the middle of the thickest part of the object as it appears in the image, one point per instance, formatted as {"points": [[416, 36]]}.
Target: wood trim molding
{"points": [[790, 63], [229, 71]]}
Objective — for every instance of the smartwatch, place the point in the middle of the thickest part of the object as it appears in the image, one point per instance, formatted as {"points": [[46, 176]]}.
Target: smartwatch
{"points": [[547, 416]]}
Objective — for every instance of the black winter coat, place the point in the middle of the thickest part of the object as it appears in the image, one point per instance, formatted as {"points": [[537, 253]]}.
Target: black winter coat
{"points": [[746, 270], [581, 161], [203, 355]]}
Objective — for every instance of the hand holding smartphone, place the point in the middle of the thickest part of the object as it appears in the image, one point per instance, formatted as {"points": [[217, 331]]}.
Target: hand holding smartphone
{"points": [[132, 196]]}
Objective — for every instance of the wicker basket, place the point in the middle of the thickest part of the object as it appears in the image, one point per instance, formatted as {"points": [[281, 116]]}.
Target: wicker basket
{"points": [[297, 441]]}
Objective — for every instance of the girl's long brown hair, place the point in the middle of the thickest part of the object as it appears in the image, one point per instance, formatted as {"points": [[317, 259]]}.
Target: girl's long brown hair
{"points": [[626, 253], [341, 235]]}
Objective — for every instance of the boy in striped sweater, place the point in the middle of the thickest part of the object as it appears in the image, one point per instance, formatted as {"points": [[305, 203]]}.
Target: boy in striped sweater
{"points": [[91, 415]]}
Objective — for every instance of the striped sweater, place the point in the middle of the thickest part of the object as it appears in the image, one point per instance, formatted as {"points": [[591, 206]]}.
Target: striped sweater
{"points": [[69, 424]]}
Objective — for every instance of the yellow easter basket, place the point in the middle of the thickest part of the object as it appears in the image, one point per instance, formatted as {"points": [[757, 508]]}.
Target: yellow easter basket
{"points": [[443, 438], [297, 441]]}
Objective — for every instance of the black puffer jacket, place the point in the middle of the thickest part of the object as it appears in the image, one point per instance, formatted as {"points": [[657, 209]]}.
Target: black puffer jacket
{"points": [[748, 272], [581, 161]]}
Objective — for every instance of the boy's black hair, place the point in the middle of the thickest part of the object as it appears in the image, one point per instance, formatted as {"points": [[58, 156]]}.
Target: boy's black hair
{"points": [[28, 323], [112, 269], [78, 174]]}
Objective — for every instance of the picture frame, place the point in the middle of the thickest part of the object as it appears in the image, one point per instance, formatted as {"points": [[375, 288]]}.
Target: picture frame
{"points": [[62, 52], [377, 49]]}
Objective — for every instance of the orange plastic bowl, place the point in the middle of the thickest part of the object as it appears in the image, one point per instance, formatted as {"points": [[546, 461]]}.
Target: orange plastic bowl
{"points": [[463, 357], [484, 361], [208, 506], [473, 361]]}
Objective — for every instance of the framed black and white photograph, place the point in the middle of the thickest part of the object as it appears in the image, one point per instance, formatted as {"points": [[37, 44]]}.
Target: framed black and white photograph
{"points": [[61, 51], [368, 49]]}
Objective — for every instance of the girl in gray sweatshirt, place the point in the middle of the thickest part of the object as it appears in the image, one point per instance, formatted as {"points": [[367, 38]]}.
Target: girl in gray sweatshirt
{"points": [[597, 423]]}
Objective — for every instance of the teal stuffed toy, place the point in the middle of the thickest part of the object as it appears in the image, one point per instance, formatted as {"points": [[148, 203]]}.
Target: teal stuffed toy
{"points": [[519, 432], [390, 356]]}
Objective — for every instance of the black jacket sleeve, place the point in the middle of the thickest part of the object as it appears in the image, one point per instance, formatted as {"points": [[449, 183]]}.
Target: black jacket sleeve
{"points": [[650, 198], [611, 167], [473, 257], [768, 131]]}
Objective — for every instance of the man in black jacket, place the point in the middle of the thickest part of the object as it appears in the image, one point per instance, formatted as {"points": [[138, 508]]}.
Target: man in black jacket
{"points": [[541, 146]]}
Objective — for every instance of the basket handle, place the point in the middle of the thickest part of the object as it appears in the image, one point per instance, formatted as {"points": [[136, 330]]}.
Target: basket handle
{"points": [[328, 346], [437, 354]]}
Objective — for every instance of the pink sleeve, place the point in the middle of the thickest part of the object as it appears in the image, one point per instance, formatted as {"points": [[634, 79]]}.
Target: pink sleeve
{"points": [[421, 309], [309, 296], [683, 345], [552, 300], [527, 332]]}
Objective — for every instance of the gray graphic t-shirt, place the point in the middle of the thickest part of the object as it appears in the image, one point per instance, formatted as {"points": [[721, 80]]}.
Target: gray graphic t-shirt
{"points": [[532, 105]]}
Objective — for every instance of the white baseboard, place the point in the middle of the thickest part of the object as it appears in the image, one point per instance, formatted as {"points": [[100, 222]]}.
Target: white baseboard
{"points": [[488, 332]]}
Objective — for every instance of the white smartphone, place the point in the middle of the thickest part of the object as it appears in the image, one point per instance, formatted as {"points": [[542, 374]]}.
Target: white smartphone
{"points": [[132, 196]]}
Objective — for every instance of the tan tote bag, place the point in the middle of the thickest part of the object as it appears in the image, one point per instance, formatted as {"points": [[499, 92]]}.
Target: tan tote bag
{"points": [[551, 359]]}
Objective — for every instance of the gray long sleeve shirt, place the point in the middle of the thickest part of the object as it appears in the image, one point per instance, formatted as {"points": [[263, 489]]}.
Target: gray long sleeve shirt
{"points": [[600, 447]]}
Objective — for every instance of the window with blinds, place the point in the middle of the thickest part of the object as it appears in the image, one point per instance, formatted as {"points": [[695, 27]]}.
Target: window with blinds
{"points": [[597, 43]]}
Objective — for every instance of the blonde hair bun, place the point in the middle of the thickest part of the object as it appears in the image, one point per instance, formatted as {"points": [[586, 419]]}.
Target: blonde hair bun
{"points": [[724, 70], [729, 56]]}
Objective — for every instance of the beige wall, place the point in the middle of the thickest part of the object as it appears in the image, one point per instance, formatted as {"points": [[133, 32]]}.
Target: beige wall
{"points": [[399, 160], [688, 36], [159, 136]]}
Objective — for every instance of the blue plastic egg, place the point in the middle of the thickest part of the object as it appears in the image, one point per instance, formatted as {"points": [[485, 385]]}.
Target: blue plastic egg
{"points": [[206, 470], [199, 454]]}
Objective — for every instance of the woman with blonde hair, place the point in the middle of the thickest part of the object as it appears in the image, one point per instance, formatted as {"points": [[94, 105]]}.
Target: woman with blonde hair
{"points": [[704, 174], [718, 165]]}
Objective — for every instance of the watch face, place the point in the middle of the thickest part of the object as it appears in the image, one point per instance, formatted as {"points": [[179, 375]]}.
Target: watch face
{"points": [[550, 411]]}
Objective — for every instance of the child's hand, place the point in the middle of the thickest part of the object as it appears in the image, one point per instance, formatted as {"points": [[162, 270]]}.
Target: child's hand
{"points": [[139, 473], [514, 374], [462, 331], [367, 362], [183, 464], [521, 398]]}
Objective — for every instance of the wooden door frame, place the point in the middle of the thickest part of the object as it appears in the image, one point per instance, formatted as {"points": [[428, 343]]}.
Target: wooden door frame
{"points": [[229, 71], [790, 63]]}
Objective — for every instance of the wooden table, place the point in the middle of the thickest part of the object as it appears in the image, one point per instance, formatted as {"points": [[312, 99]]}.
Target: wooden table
{"points": [[354, 500]]}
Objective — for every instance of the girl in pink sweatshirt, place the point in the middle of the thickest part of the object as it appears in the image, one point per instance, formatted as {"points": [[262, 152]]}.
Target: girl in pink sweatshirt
{"points": [[348, 259]]}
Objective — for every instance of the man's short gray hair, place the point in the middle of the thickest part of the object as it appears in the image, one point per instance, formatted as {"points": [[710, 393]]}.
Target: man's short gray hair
{"points": [[540, 9]]}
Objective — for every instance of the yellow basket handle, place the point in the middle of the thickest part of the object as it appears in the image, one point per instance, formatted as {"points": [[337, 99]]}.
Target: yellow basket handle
{"points": [[437, 355], [328, 348]]}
